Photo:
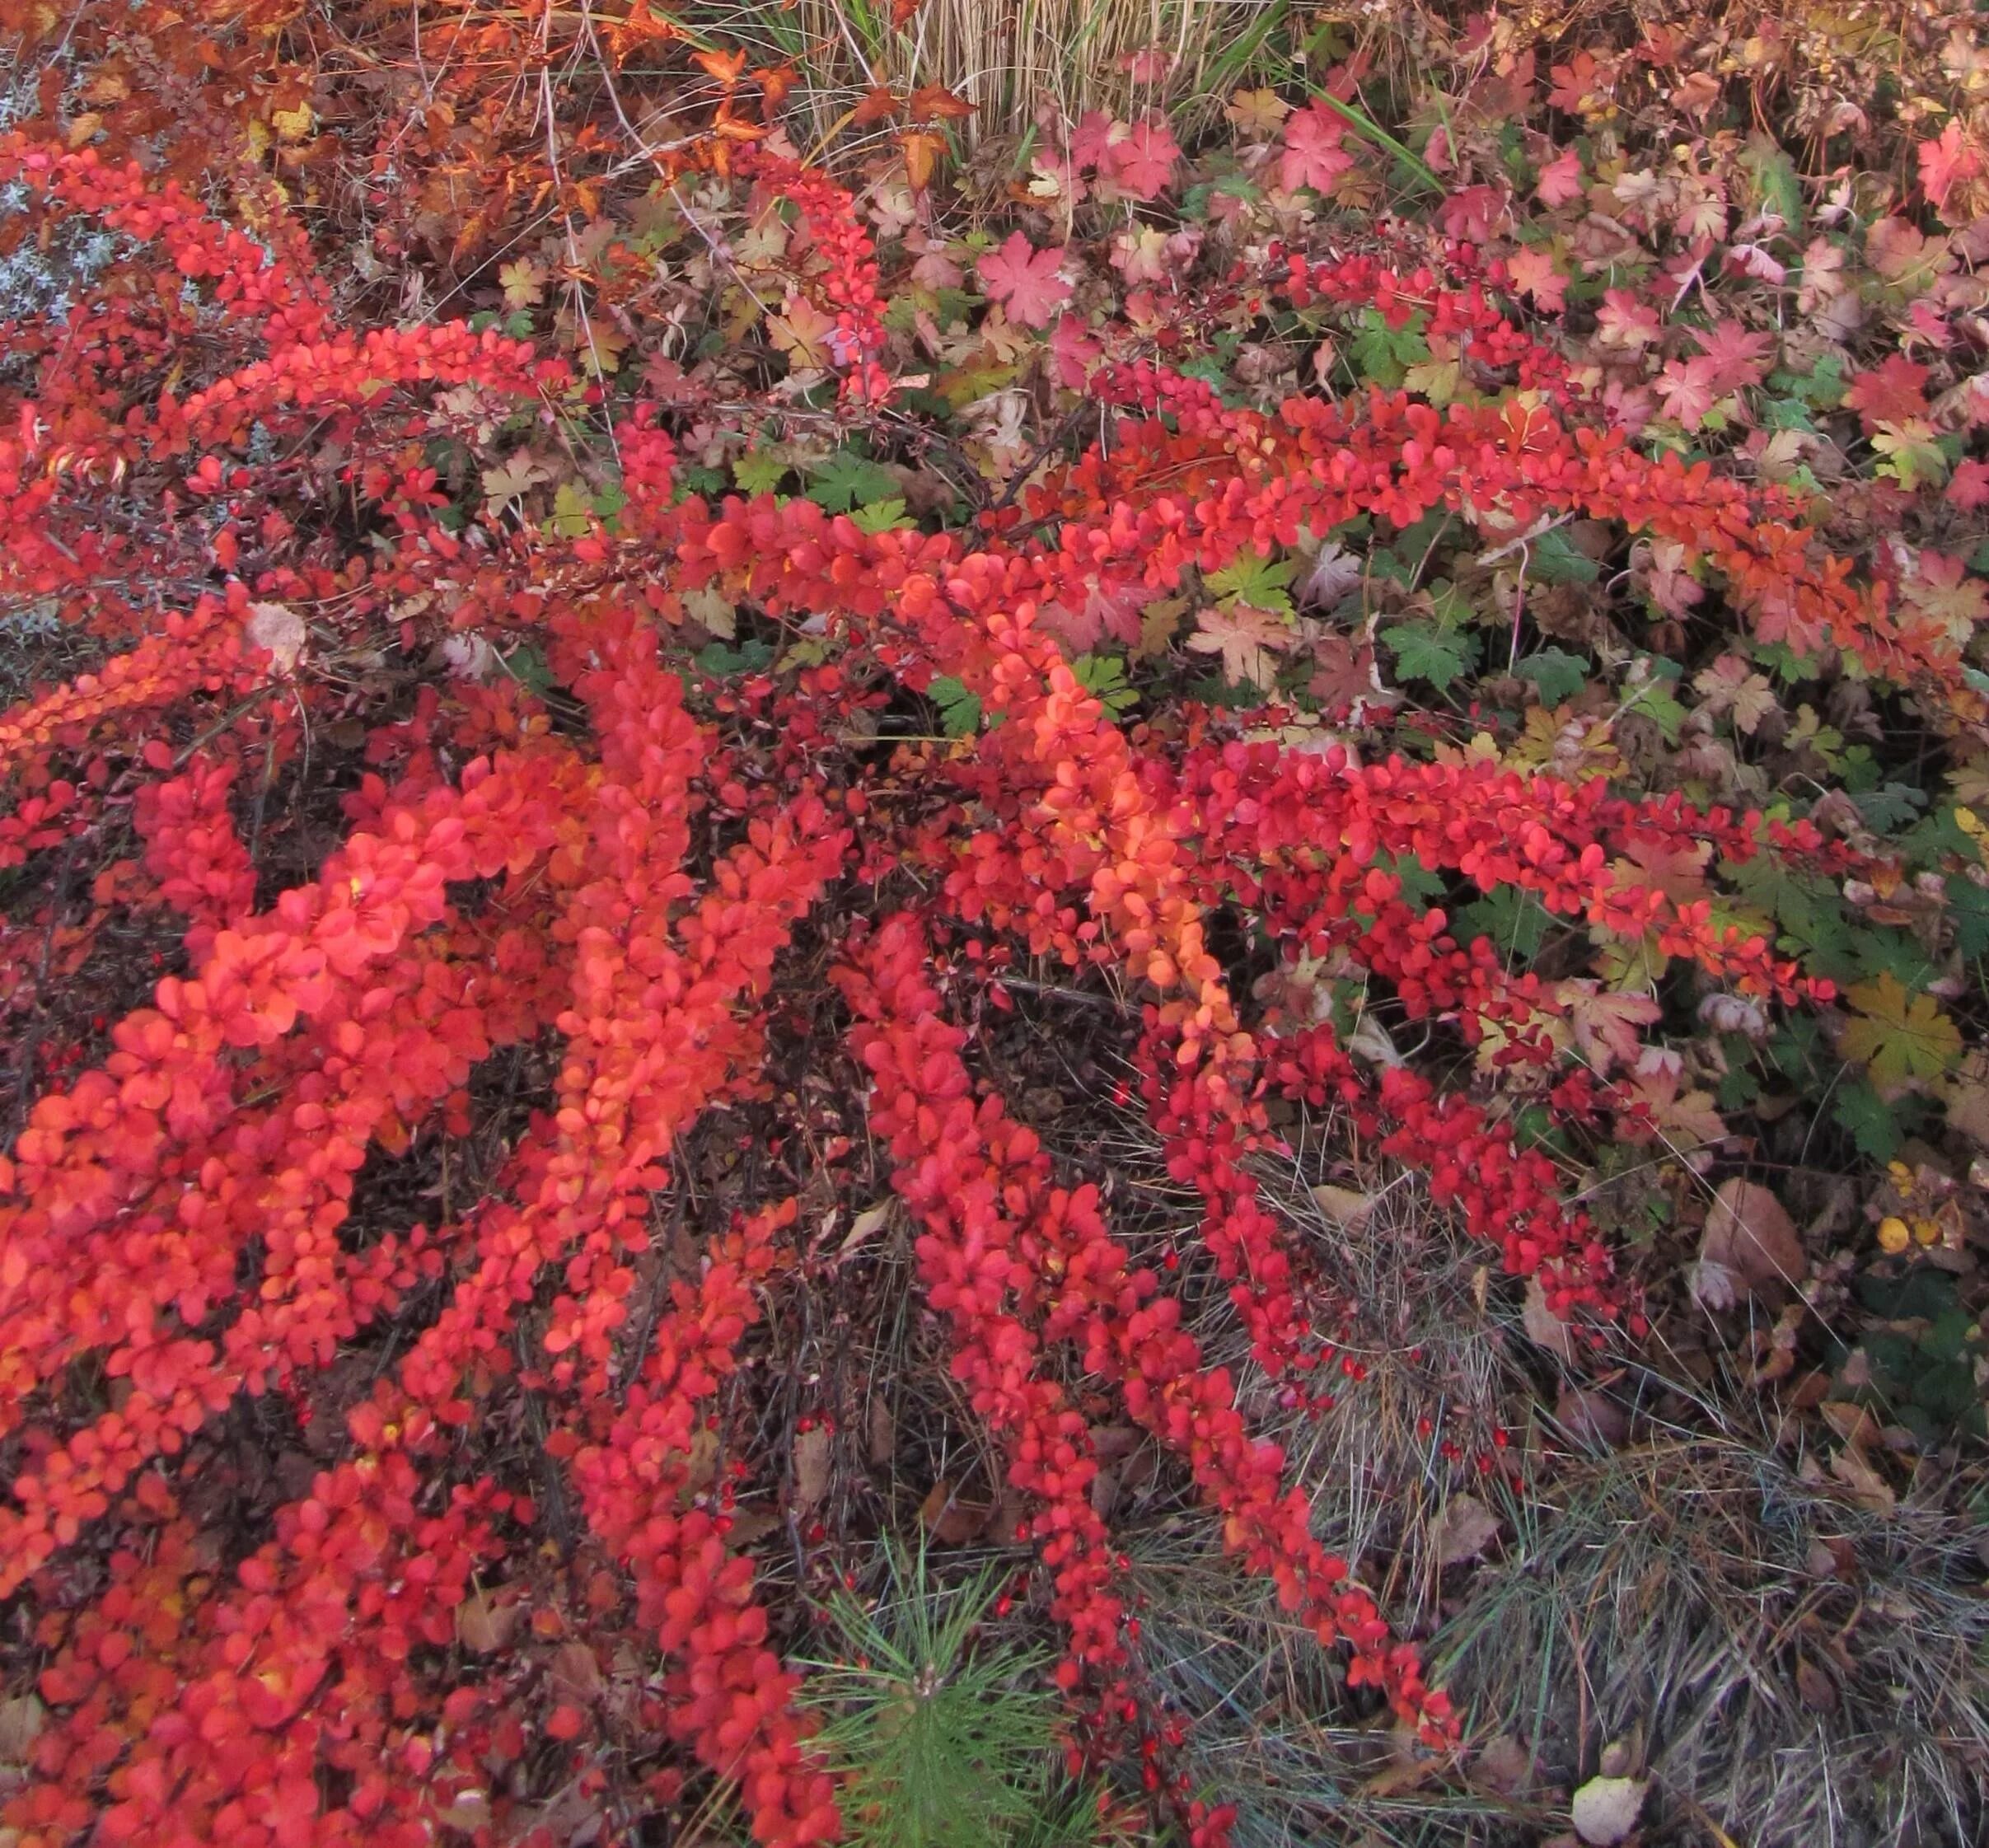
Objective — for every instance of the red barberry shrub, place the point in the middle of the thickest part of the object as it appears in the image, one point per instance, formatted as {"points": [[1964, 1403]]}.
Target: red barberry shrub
{"points": [[449, 804]]}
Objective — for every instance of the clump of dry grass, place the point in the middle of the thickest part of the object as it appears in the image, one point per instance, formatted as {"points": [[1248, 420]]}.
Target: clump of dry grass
{"points": [[1668, 1597], [1785, 1666], [1012, 57], [1801, 1671]]}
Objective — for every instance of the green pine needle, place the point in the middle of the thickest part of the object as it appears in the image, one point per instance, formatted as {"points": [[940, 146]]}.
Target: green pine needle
{"points": [[944, 1740]]}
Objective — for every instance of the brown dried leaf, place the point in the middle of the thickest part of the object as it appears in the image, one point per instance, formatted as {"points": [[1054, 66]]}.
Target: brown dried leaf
{"points": [[949, 1521], [1463, 1531], [1749, 1233], [21, 1719], [1504, 1767], [280, 630], [1869, 1489], [576, 1669], [884, 1431], [812, 1449], [483, 1625], [1543, 1327], [1819, 1692], [1347, 1207]]}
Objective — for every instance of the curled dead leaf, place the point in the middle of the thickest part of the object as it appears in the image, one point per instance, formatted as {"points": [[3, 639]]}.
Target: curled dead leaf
{"points": [[1606, 1810], [577, 1669], [1748, 1233], [1504, 1767], [1463, 1531], [280, 630], [884, 1431], [21, 1719], [1819, 1692], [1543, 1327], [1346, 1207], [811, 1460], [484, 1626], [950, 1521]]}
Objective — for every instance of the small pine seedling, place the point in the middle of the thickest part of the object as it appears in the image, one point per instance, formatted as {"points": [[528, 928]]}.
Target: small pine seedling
{"points": [[945, 1741]]}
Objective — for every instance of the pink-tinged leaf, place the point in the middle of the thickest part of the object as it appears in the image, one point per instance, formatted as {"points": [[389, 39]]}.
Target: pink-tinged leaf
{"points": [[1142, 161], [936, 270], [1109, 609], [1969, 486], [1075, 352], [1926, 323], [1947, 163], [1605, 1023], [1685, 389], [1630, 406], [1472, 214], [1625, 321], [1752, 260], [1313, 155], [1025, 280], [1660, 566], [1739, 356], [1969, 402], [1248, 640], [1890, 392], [1532, 271], [1940, 586], [1904, 256], [1822, 275], [1560, 179], [1093, 138]]}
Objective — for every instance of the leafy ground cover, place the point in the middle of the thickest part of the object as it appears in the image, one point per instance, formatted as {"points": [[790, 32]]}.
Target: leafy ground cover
{"points": [[920, 954]]}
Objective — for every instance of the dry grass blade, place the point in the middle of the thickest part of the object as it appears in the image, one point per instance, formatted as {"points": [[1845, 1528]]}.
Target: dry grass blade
{"points": [[1010, 59]]}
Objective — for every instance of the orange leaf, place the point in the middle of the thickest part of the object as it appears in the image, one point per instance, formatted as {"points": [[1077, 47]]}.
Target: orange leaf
{"points": [[934, 102], [922, 149], [775, 83], [725, 66], [880, 105]]}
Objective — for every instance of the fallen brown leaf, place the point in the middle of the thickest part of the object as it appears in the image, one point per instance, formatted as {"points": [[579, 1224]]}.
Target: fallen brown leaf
{"points": [[812, 1459], [1749, 1233]]}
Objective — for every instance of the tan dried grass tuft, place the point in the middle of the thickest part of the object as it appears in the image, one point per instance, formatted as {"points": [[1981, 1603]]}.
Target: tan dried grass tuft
{"points": [[1012, 59]]}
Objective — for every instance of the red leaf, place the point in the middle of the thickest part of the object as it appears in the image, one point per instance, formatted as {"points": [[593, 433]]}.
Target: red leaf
{"points": [[1142, 161], [1472, 214], [1969, 486], [1560, 179], [1025, 280], [934, 102], [1313, 155], [1889, 393], [1688, 390], [1738, 357], [1946, 164]]}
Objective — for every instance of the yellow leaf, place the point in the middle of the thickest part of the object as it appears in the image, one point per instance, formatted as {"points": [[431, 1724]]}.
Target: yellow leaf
{"points": [[1902, 1039], [803, 333], [1438, 380], [523, 283]]}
